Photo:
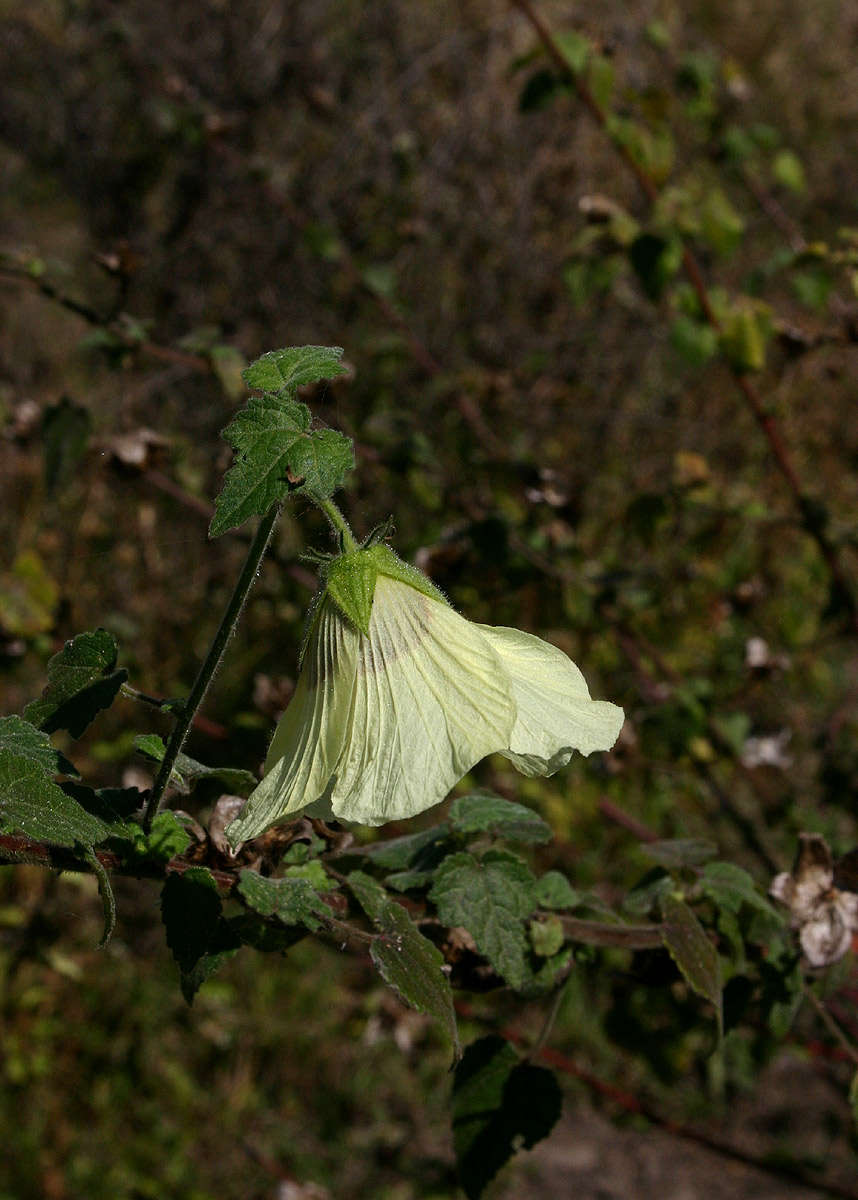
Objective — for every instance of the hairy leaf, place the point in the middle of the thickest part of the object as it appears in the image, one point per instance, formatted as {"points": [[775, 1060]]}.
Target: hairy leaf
{"points": [[554, 890], [82, 680], [287, 370], [197, 933], [30, 801], [188, 771], [481, 812], [412, 850], [404, 958], [499, 1105], [276, 451], [691, 950], [191, 911], [292, 901], [490, 897], [166, 839]]}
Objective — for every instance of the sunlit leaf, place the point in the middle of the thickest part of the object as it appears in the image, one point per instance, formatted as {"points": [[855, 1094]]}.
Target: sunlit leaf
{"points": [[277, 453], [490, 897]]}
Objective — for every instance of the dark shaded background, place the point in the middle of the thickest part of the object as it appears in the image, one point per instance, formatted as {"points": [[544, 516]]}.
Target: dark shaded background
{"points": [[187, 185]]}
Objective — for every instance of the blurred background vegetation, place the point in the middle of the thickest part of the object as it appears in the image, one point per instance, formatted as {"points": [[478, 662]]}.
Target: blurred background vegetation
{"points": [[560, 438]]}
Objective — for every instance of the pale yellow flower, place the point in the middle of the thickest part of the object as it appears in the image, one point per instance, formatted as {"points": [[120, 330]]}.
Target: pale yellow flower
{"points": [[387, 718]]}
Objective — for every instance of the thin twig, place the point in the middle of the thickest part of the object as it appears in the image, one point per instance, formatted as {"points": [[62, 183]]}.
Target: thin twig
{"points": [[830, 1024]]}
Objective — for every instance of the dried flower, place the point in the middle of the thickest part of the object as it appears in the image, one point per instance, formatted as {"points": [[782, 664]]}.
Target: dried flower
{"points": [[824, 916]]}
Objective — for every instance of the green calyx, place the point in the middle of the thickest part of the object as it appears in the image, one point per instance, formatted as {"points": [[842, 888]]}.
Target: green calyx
{"points": [[350, 581]]}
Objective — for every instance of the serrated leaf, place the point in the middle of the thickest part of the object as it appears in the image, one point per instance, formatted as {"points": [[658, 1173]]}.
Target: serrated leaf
{"points": [[253, 930], [370, 894], [484, 813], [197, 934], [691, 950], [237, 781], [673, 853], [413, 967], [82, 681], [287, 370], [191, 910], [408, 851], [276, 451], [23, 740], [731, 887], [314, 873], [292, 901], [167, 839], [113, 806], [490, 897], [499, 1104], [30, 801], [404, 958], [554, 890]]}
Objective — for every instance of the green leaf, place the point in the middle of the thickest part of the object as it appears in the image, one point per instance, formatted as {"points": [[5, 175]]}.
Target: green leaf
{"points": [[746, 330], [287, 370], [679, 852], [696, 341], [404, 958], [414, 968], [28, 597], [490, 897], [554, 890], [167, 839], [30, 801], [499, 1104], [314, 873], [82, 680], [191, 911], [197, 934], [788, 171], [370, 895], [292, 901], [730, 887], [691, 950], [113, 806], [546, 937], [276, 451], [65, 432], [575, 49], [853, 1099], [600, 78], [484, 813], [412, 850], [23, 740], [187, 771]]}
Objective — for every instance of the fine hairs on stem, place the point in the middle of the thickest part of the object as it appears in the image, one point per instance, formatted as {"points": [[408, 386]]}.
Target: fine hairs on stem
{"points": [[211, 662], [232, 612]]}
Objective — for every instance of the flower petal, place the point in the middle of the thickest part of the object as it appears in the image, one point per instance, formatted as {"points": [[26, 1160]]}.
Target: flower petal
{"points": [[310, 735], [555, 715], [430, 700]]}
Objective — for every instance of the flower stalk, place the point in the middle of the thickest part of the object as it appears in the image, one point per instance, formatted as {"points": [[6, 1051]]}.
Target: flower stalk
{"points": [[212, 660]]}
